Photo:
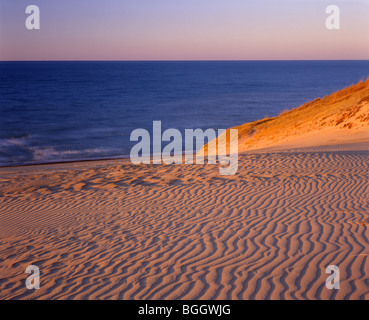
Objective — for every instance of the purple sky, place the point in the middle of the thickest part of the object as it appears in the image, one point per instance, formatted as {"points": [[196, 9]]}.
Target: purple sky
{"points": [[183, 30]]}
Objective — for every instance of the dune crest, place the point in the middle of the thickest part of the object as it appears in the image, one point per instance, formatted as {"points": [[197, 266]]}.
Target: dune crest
{"points": [[341, 117]]}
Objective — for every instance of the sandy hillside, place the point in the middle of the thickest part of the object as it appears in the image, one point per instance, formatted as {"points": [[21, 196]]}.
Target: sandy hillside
{"points": [[342, 117]]}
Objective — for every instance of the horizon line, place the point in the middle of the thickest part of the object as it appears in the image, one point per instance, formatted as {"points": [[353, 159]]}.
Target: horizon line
{"points": [[179, 60]]}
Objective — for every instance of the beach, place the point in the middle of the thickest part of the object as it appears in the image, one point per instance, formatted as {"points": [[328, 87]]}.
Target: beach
{"points": [[185, 158], [113, 230]]}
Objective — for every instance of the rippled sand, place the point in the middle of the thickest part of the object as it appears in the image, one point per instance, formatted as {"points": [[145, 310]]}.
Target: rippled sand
{"points": [[112, 230]]}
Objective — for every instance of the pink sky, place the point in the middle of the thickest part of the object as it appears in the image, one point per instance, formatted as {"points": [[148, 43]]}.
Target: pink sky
{"points": [[183, 30]]}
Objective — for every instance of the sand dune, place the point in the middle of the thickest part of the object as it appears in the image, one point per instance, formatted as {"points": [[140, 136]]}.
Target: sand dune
{"points": [[341, 117], [112, 230]]}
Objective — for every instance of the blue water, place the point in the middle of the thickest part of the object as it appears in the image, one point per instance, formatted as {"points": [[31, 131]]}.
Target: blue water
{"points": [[61, 111]]}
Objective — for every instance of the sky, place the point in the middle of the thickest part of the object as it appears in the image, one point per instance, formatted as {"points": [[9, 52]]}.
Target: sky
{"points": [[184, 30]]}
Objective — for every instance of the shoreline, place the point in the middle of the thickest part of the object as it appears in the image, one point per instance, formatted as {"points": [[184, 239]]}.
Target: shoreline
{"points": [[60, 162], [335, 147]]}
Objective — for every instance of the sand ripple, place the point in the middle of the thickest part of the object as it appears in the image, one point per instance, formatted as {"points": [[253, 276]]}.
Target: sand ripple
{"points": [[115, 231]]}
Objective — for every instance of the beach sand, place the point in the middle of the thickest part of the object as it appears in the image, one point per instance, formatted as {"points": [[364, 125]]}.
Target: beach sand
{"points": [[113, 230]]}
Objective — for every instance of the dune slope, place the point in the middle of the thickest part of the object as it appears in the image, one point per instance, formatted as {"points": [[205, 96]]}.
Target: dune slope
{"points": [[338, 118]]}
